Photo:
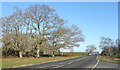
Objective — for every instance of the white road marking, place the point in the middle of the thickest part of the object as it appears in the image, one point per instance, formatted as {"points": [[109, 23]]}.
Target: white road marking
{"points": [[43, 66], [59, 66], [62, 63], [83, 58], [70, 62], [78, 60], [96, 64]]}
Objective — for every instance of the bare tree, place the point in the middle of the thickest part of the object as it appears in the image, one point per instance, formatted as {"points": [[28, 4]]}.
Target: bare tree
{"points": [[90, 48], [109, 46], [13, 29], [38, 28], [42, 19], [72, 37], [66, 37]]}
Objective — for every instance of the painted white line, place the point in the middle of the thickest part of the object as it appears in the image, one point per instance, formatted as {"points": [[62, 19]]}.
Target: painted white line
{"points": [[59, 66], [23, 65], [96, 64], [78, 60], [83, 58], [70, 62], [53, 65], [43, 67], [60, 63]]}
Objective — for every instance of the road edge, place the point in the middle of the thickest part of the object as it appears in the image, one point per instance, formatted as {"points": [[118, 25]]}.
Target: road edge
{"points": [[96, 63]]}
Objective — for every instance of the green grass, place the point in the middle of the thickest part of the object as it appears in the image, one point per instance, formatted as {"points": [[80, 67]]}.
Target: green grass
{"points": [[109, 59], [16, 62]]}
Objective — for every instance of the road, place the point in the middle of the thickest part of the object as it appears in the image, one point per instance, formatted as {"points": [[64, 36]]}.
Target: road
{"points": [[79, 62], [86, 62]]}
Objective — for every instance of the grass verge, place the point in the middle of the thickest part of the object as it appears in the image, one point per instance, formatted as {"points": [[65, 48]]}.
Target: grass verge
{"points": [[109, 59], [18, 62]]}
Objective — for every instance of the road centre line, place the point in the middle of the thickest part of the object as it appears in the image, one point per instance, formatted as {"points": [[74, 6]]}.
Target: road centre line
{"points": [[62, 63], [43, 66], [59, 66], [77, 59], [83, 58], [70, 62]]}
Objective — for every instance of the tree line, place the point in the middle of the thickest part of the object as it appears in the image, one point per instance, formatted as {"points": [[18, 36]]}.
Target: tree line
{"points": [[90, 48], [37, 30], [110, 47]]}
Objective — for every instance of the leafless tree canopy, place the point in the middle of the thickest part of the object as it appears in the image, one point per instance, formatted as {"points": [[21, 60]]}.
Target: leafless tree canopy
{"points": [[37, 29], [90, 48], [109, 47]]}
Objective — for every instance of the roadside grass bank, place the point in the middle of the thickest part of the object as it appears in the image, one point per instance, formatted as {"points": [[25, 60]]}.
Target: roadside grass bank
{"points": [[109, 59], [19, 62]]}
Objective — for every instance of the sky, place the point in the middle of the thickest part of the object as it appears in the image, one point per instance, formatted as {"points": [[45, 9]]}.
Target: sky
{"points": [[59, 0], [95, 19]]}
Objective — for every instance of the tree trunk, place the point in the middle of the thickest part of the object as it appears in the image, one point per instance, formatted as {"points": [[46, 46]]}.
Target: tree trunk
{"points": [[38, 51], [20, 54], [53, 55]]}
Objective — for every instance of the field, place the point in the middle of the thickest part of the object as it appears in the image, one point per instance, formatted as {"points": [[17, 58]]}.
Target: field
{"points": [[17, 62]]}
